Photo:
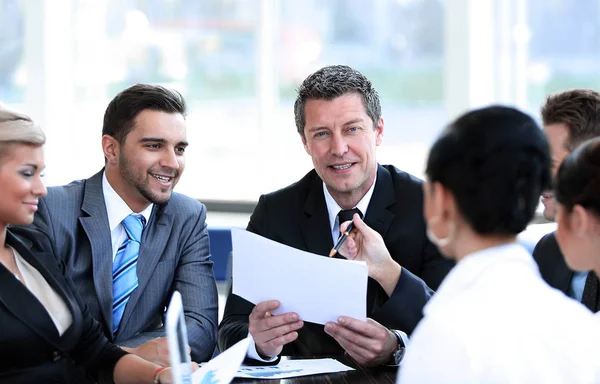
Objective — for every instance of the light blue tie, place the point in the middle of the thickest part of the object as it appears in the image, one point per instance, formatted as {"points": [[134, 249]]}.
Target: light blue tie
{"points": [[124, 271]]}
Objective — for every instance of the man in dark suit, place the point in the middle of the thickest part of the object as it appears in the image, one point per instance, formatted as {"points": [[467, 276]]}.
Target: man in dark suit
{"points": [[85, 225], [338, 117], [570, 118]]}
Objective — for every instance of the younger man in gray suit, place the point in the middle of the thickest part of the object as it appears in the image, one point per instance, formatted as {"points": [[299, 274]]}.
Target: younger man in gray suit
{"points": [[126, 239]]}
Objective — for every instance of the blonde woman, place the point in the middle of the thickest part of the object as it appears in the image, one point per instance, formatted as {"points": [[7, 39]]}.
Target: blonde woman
{"points": [[43, 325]]}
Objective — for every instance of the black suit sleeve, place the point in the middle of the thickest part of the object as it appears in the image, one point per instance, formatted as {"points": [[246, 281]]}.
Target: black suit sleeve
{"points": [[234, 326]]}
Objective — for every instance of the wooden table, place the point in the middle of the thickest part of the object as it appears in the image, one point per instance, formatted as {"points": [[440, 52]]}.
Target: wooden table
{"points": [[383, 375]]}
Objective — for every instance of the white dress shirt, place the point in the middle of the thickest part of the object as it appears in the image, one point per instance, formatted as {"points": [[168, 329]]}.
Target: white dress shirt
{"points": [[333, 208], [494, 320], [117, 210], [50, 300]]}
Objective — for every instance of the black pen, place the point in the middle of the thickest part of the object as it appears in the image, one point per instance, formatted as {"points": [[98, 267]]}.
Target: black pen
{"points": [[342, 239]]}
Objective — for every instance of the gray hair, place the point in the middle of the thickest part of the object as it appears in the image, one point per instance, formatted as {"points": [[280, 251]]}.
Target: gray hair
{"points": [[331, 82], [16, 127]]}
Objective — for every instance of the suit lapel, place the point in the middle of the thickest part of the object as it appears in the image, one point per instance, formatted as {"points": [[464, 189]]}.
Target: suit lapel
{"points": [[154, 240], [24, 305], [378, 217], [97, 230], [315, 225]]}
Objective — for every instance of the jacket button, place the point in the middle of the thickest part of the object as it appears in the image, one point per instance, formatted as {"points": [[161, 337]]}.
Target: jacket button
{"points": [[56, 355]]}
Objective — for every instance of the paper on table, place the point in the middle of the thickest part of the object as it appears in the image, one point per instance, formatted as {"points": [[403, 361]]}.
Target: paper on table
{"points": [[223, 368], [318, 288], [293, 368]]}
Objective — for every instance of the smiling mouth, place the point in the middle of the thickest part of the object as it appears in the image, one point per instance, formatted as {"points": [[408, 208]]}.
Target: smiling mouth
{"points": [[341, 167], [164, 179]]}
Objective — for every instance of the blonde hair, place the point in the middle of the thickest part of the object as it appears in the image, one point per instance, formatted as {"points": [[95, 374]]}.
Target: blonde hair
{"points": [[16, 127]]}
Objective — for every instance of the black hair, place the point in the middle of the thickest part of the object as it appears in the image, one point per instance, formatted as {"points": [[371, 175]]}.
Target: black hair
{"points": [[496, 163], [121, 112]]}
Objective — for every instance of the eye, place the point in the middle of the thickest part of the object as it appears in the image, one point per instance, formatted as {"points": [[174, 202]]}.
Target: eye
{"points": [[27, 173], [353, 129], [153, 146], [180, 150], [320, 134]]}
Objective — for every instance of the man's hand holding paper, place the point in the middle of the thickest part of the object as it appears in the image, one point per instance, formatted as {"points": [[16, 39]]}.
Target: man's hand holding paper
{"points": [[272, 332]]}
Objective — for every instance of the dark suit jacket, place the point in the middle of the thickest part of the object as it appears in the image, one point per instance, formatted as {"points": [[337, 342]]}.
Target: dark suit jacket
{"points": [[31, 350], [297, 216], [552, 264], [72, 224]]}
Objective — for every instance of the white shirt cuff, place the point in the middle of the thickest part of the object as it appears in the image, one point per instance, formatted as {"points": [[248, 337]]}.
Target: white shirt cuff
{"points": [[253, 353]]}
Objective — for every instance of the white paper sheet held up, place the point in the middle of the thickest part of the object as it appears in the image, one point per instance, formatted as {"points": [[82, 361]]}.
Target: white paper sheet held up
{"points": [[318, 288], [223, 368], [293, 368]]}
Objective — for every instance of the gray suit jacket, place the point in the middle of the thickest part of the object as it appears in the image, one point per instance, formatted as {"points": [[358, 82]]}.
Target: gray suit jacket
{"points": [[72, 223]]}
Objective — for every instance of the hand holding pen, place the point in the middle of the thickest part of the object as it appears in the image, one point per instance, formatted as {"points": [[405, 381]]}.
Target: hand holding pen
{"points": [[360, 242]]}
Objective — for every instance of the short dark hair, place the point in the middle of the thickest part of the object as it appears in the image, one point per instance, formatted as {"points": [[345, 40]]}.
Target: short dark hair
{"points": [[333, 81], [578, 177], [496, 162], [578, 109], [119, 117]]}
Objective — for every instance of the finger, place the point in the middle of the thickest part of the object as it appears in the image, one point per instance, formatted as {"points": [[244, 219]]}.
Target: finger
{"points": [[359, 347], [264, 307], [339, 330], [277, 332], [195, 366], [189, 349], [276, 343], [360, 224], [350, 248], [370, 328], [344, 226]]}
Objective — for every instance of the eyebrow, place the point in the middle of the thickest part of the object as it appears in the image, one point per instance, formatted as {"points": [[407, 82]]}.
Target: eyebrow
{"points": [[354, 121], [161, 140], [350, 122], [34, 166]]}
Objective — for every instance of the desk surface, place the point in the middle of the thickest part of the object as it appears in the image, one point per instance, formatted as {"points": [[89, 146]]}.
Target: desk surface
{"points": [[383, 375]]}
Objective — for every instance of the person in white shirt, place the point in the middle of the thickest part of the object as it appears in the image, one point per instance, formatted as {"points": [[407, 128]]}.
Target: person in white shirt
{"points": [[577, 191], [493, 319]]}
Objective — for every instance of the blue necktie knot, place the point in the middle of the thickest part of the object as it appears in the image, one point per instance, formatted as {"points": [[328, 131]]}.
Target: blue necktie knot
{"points": [[134, 225]]}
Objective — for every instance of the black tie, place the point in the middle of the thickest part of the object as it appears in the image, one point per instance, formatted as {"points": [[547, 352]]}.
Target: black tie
{"points": [[590, 292], [347, 215]]}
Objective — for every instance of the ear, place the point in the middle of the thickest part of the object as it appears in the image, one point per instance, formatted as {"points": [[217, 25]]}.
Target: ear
{"points": [[437, 192], [579, 220], [305, 144], [110, 147], [379, 130]]}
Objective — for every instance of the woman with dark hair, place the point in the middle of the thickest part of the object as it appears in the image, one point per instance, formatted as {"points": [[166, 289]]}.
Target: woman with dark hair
{"points": [[43, 324], [577, 191], [493, 319]]}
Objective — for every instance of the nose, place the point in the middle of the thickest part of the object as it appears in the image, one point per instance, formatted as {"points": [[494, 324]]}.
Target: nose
{"points": [[338, 145], [170, 159], [39, 188]]}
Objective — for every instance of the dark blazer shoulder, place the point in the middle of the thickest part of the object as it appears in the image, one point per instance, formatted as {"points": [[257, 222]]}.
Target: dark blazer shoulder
{"points": [[551, 263], [403, 181]]}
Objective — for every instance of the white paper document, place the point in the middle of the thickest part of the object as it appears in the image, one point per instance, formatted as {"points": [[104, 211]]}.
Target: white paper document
{"points": [[223, 368], [293, 368], [318, 288]]}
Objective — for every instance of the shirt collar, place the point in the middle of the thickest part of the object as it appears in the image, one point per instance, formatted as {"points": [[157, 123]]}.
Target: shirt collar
{"points": [[474, 267], [116, 208], [333, 207]]}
